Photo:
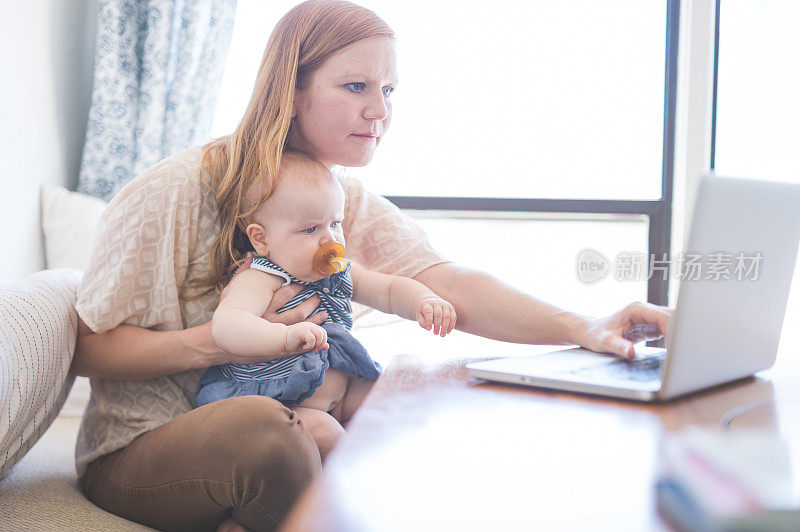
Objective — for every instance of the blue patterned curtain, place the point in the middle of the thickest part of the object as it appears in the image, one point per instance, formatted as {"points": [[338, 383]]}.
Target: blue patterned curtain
{"points": [[158, 68]]}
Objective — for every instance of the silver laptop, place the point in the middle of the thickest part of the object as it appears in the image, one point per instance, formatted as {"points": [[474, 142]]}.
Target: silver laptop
{"points": [[730, 309]]}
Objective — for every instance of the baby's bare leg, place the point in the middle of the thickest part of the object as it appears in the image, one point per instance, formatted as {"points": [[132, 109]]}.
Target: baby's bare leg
{"points": [[357, 390], [325, 430], [330, 393]]}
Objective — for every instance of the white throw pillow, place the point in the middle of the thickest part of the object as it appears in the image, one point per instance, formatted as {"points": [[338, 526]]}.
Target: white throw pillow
{"points": [[38, 330], [69, 221]]}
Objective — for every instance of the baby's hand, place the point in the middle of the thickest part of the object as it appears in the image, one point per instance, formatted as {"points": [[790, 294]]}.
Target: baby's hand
{"points": [[437, 313], [305, 336]]}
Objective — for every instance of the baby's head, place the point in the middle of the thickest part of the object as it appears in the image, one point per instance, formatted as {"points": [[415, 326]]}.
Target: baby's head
{"points": [[304, 211]]}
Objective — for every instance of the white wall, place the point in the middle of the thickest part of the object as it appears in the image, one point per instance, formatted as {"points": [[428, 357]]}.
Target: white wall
{"points": [[46, 64]]}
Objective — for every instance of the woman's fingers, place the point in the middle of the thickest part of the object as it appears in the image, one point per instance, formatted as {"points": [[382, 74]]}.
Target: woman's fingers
{"points": [[302, 311], [299, 313], [647, 314], [641, 332], [619, 332], [623, 348], [282, 296], [642, 322], [318, 318]]}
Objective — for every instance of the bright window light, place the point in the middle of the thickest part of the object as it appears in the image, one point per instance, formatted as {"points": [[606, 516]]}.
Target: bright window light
{"points": [[758, 109], [504, 99]]}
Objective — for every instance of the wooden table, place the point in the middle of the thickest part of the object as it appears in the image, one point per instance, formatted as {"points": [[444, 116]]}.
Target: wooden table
{"points": [[432, 449]]}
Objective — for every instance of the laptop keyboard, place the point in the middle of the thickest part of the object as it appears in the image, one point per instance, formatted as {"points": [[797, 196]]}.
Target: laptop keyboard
{"points": [[640, 369]]}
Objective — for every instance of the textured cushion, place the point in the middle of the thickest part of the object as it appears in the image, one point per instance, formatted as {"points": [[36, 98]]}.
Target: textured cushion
{"points": [[38, 329], [69, 221]]}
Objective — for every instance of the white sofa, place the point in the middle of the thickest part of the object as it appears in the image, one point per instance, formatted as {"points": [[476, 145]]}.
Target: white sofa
{"points": [[40, 492]]}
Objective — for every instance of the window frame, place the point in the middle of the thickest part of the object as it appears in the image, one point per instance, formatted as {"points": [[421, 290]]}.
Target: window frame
{"points": [[715, 81]]}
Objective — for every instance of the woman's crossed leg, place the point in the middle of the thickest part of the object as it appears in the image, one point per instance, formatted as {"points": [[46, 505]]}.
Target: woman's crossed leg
{"points": [[248, 458]]}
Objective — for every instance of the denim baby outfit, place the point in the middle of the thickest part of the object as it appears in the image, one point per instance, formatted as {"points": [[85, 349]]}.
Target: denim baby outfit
{"points": [[293, 379]]}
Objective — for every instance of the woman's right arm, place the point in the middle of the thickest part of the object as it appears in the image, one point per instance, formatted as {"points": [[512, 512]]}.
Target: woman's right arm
{"points": [[130, 353], [143, 249]]}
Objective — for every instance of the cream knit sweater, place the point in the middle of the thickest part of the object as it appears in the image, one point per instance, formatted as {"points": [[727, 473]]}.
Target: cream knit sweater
{"points": [[155, 235]]}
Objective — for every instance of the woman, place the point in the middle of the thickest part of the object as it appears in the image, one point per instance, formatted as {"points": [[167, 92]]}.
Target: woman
{"points": [[324, 87]]}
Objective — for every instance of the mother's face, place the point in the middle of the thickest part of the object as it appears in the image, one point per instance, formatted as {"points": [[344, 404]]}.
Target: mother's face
{"points": [[345, 108]]}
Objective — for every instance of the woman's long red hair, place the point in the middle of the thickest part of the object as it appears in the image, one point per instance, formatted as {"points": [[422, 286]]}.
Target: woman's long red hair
{"points": [[303, 39]]}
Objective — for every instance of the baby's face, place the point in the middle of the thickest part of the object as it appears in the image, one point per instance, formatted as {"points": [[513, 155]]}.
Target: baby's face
{"points": [[301, 217]]}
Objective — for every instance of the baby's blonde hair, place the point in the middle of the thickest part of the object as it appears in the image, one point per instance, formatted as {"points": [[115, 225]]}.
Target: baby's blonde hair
{"points": [[301, 42], [296, 166]]}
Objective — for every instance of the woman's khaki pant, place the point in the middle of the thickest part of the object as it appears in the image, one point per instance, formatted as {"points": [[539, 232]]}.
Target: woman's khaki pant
{"points": [[247, 457]]}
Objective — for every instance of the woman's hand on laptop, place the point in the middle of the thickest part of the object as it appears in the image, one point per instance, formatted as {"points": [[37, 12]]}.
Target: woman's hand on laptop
{"points": [[637, 322]]}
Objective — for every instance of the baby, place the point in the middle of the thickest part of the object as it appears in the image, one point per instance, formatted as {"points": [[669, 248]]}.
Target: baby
{"points": [[322, 372]]}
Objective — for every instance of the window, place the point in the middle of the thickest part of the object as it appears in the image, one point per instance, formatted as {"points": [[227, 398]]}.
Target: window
{"points": [[533, 100], [537, 100], [252, 27], [539, 255], [757, 104], [515, 109]]}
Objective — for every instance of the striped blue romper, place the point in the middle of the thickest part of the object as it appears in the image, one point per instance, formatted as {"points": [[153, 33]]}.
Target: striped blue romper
{"points": [[293, 379]]}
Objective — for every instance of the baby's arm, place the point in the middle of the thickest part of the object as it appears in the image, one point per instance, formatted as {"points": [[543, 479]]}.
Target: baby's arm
{"points": [[405, 297], [238, 328]]}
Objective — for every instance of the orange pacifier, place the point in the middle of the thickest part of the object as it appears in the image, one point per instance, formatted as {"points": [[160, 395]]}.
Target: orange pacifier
{"points": [[329, 258]]}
